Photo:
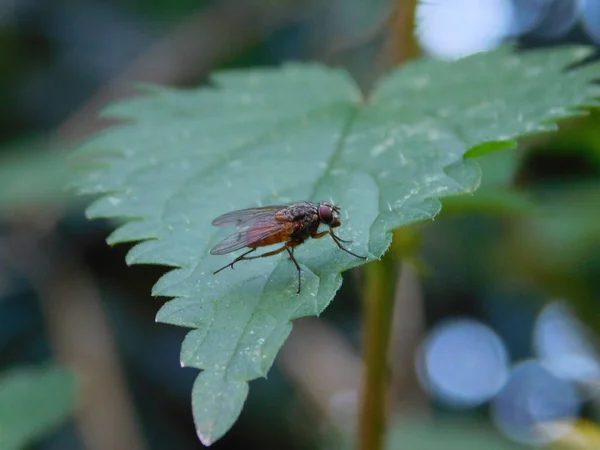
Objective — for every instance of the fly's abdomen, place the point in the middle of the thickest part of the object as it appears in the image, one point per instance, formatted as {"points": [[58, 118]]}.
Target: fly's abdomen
{"points": [[274, 239]]}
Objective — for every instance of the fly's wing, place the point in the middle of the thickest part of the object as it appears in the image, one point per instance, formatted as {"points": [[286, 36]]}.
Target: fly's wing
{"points": [[248, 237], [245, 217]]}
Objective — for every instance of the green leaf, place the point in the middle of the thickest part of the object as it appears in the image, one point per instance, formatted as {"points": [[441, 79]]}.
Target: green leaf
{"points": [[32, 403], [301, 132], [447, 435]]}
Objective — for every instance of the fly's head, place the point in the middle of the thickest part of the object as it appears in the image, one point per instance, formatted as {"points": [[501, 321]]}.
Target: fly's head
{"points": [[329, 214]]}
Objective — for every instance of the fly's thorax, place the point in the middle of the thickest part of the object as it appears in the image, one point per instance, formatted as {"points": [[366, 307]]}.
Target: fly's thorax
{"points": [[301, 211], [305, 220]]}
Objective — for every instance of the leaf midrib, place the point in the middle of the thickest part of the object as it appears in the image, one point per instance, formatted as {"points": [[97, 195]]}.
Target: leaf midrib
{"points": [[335, 155]]}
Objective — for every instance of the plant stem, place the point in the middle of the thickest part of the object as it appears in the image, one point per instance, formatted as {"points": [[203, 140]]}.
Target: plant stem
{"points": [[380, 285], [401, 44]]}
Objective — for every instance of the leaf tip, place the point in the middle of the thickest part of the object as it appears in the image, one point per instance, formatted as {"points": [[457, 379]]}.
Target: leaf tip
{"points": [[206, 440], [130, 260]]}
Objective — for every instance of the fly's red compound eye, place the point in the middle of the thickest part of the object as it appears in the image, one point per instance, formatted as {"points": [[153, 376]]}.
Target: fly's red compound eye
{"points": [[326, 214]]}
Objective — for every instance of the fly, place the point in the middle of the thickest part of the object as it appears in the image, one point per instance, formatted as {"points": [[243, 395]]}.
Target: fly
{"points": [[269, 225]]}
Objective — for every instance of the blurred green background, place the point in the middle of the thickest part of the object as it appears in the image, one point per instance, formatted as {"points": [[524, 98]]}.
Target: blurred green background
{"points": [[499, 297]]}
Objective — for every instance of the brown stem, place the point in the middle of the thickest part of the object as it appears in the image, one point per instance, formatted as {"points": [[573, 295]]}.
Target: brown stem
{"points": [[380, 285], [401, 43], [407, 333], [81, 338]]}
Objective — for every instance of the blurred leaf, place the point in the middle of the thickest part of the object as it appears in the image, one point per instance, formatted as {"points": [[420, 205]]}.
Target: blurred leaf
{"points": [[302, 132], [558, 248], [583, 135], [31, 175], [498, 168], [447, 435], [566, 229], [570, 155], [496, 195], [32, 403], [498, 200]]}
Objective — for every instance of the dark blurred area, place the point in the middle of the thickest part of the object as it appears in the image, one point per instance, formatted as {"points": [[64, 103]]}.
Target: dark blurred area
{"points": [[496, 304]]}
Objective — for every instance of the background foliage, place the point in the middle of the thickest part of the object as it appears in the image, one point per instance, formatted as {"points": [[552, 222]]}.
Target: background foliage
{"points": [[32, 402], [501, 255]]}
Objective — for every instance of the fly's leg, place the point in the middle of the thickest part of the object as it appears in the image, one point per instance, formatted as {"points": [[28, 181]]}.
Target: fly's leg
{"points": [[243, 257], [239, 258], [339, 241], [264, 255], [324, 233], [290, 250]]}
